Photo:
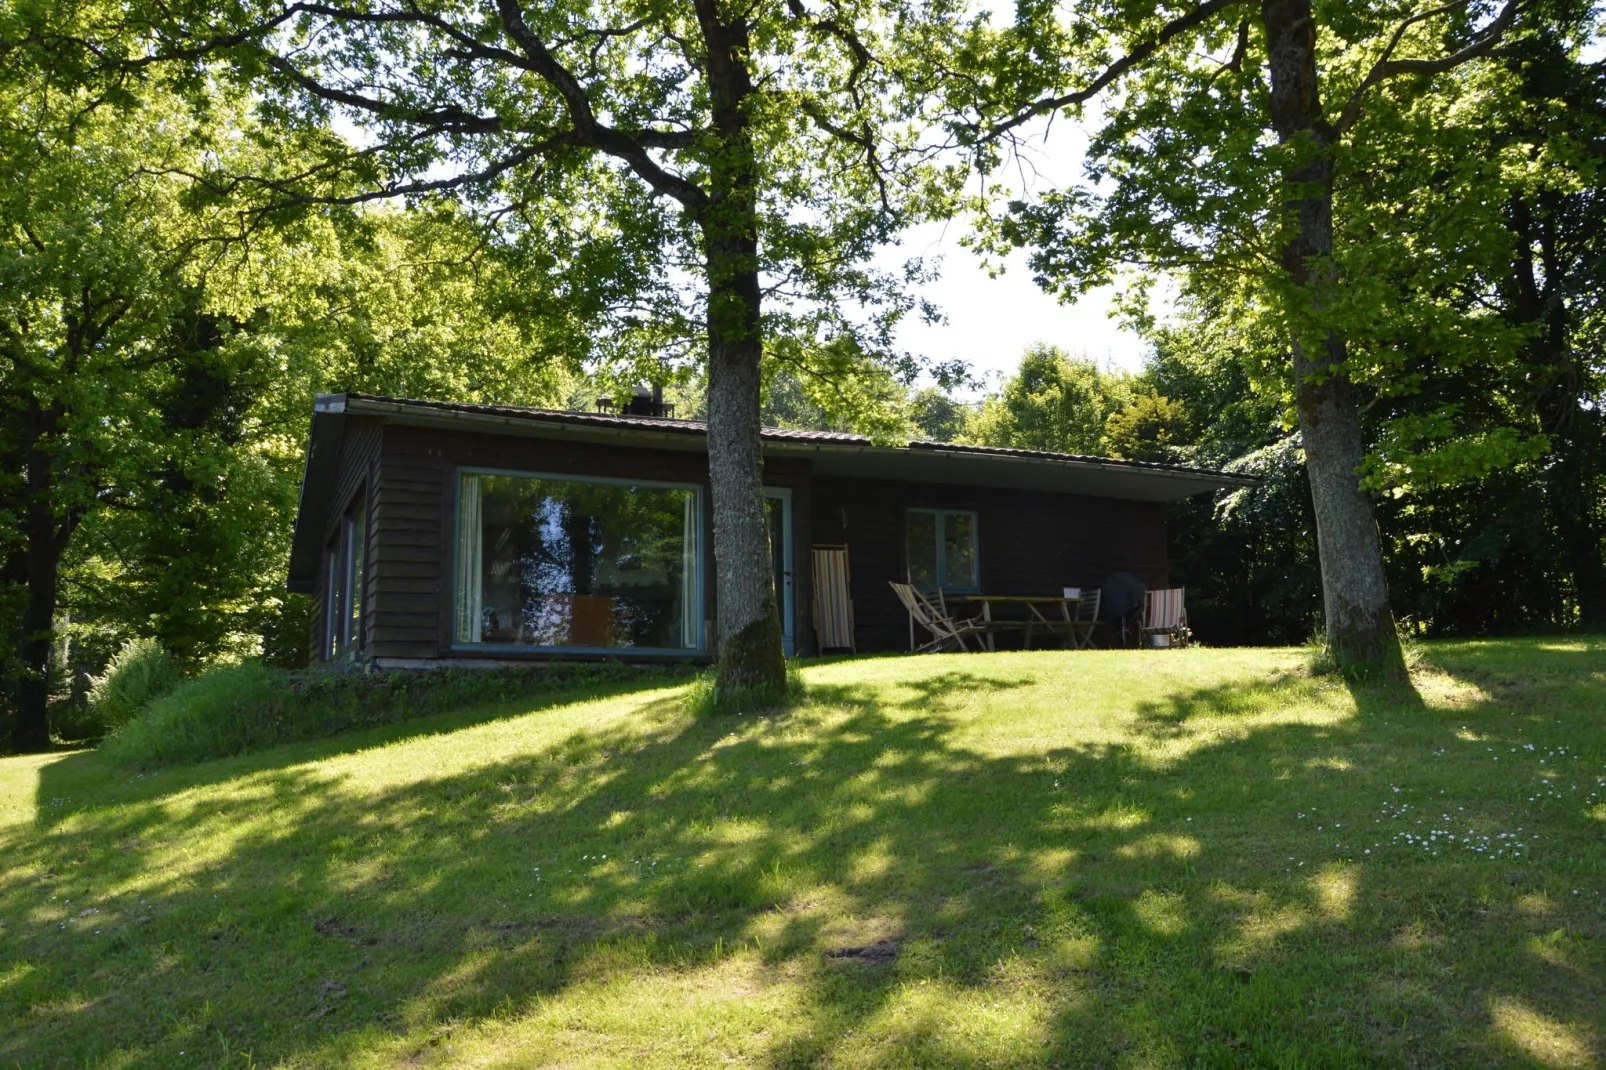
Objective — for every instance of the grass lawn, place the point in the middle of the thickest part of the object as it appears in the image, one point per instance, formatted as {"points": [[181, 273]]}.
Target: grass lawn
{"points": [[1108, 859]]}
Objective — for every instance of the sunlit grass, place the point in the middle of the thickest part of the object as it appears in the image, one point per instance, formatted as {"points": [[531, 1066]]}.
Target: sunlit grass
{"points": [[1105, 858]]}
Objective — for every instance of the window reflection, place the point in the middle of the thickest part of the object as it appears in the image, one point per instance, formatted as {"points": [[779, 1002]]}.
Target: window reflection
{"points": [[940, 548], [565, 563], [921, 536], [959, 550]]}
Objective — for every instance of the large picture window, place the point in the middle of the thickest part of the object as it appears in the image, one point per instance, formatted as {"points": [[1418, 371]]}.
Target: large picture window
{"points": [[564, 563], [940, 547]]}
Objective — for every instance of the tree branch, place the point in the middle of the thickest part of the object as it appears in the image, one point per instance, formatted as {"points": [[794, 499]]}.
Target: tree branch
{"points": [[287, 196], [615, 143], [1387, 67], [1133, 59], [449, 118]]}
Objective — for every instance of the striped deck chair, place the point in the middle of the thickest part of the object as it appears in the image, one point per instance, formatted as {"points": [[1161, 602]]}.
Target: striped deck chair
{"points": [[833, 608], [1164, 614]]}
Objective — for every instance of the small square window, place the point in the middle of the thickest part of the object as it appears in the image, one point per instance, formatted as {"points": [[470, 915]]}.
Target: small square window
{"points": [[940, 547]]}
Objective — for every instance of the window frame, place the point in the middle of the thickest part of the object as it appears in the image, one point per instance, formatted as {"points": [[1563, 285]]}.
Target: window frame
{"points": [[940, 529], [354, 574], [347, 564], [701, 558], [331, 597]]}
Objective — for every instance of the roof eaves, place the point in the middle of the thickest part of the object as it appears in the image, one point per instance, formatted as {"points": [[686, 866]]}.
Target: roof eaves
{"points": [[386, 406], [1231, 478]]}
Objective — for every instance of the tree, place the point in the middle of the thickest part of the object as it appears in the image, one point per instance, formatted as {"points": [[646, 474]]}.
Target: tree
{"points": [[1557, 220], [190, 546], [161, 340], [1152, 427], [98, 252], [937, 417], [765, 148], [1054, 402], [1218, 154]]}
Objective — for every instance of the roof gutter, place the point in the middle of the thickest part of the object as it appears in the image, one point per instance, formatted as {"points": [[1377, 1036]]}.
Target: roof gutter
{"points": [[689, 439], [1190, 474]]}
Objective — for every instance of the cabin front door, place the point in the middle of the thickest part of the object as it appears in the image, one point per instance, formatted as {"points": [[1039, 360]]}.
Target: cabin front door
{"points": [[778, 508]]}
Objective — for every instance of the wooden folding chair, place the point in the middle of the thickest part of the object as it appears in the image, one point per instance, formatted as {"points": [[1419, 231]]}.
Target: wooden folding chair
{"points": [[1164, 614], [1085, 620], [833, 608], [945, 631]]}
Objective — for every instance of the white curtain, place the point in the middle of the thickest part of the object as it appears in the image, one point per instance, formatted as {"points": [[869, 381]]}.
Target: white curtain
{"points": [[470, 573], [690, 576]]}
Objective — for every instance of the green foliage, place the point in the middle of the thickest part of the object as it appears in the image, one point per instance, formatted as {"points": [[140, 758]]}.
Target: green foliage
{"points": [[1149, 428], [286, 642], [937, 417], [1429, 450], [162, 334], [139, 674], [233, 709], [1055, 402], [197, 550]]}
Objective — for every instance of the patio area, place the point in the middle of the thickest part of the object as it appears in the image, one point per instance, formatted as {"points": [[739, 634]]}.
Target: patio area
{"points": [[1069, 620]]}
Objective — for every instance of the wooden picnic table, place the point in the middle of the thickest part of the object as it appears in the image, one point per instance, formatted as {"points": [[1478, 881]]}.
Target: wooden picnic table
{"points": [[1064, 625]]}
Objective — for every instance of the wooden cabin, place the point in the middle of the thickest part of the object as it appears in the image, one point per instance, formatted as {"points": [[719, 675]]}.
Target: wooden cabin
{"points": [[434, 533]]}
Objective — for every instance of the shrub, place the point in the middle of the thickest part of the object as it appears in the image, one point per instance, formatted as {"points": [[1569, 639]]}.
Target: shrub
{"points": [[139, 673], [232, 709], [285, 629]]}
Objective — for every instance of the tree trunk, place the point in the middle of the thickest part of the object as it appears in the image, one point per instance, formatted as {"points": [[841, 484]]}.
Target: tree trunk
{"points": [[1557, 375], [1359, 622], [750, 646], [750, 653], [45, 541], [1569, 489]]}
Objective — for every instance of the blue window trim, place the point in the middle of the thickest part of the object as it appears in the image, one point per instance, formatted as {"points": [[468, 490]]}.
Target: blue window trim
{"points": [[614, 651], [942, 553]]}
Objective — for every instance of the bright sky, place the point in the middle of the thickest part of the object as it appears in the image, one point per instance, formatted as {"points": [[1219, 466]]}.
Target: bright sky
{"points": [[990, 321]]}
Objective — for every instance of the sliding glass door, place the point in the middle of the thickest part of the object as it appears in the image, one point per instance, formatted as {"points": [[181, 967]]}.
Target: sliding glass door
{"points": [[778, 510], [548, 562]]}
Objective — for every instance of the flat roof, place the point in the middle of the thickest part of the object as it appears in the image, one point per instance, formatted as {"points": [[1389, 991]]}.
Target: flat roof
{"points": [[831, 453]]}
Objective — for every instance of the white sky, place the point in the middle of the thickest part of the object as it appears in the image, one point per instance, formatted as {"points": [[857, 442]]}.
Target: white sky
{"points": [[990, 321]]}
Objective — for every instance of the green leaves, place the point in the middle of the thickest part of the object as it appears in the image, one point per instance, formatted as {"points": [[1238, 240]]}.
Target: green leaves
{"points": [[1055, 402], [1435, 449]]}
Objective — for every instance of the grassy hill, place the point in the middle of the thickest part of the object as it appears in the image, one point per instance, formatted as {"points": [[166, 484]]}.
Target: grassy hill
{"points": [[1048, 859]]}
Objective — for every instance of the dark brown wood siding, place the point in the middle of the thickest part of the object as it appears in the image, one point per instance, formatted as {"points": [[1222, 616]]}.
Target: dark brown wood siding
{"points": [[359, 454], [413, 553], [1029, 542]]}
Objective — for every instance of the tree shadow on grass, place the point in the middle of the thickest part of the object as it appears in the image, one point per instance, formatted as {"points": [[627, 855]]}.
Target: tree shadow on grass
{"points": [[84, 778], [906, 897]]}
